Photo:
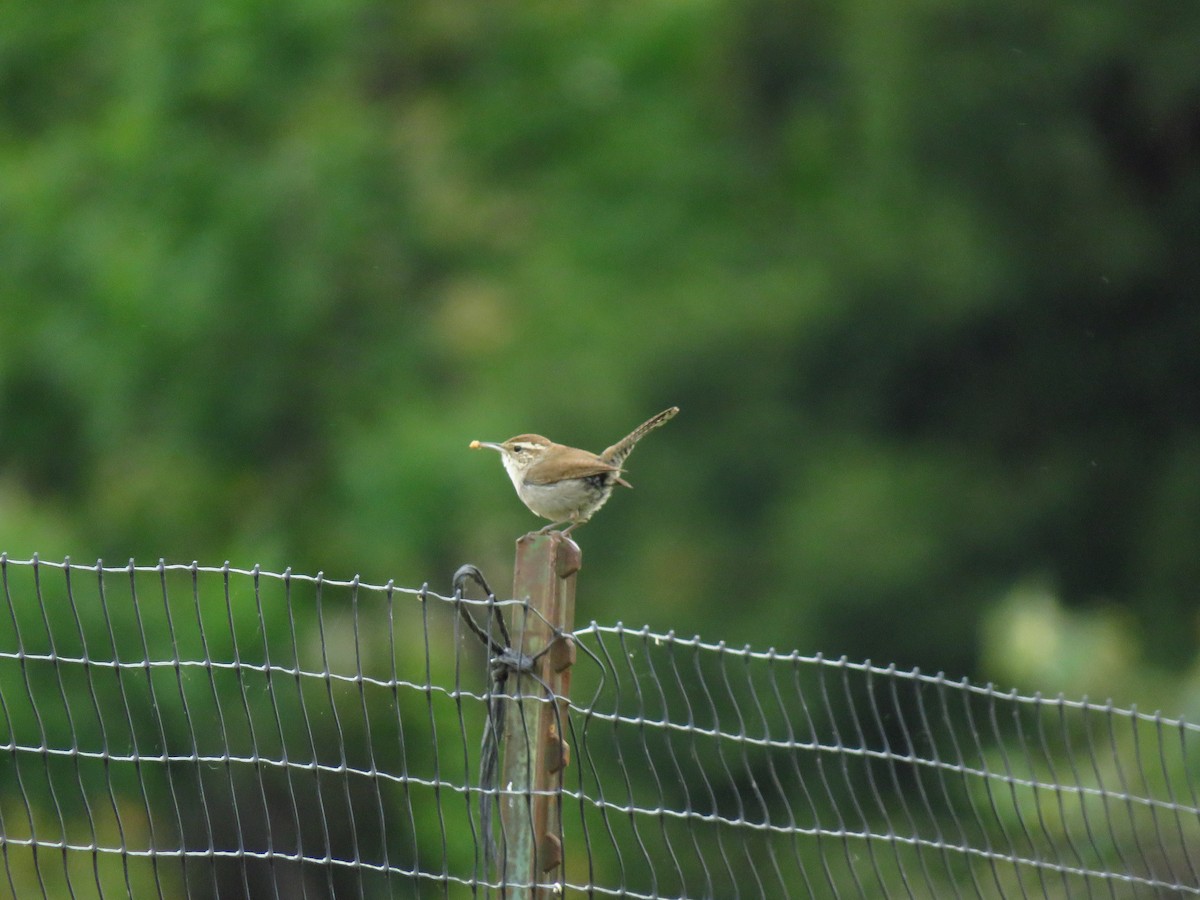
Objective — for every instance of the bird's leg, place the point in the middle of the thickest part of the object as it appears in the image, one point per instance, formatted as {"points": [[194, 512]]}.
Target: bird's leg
{"points": [[574, 524]]}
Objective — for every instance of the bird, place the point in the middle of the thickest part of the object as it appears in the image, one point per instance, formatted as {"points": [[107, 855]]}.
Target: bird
{"points": [[566, 484]]}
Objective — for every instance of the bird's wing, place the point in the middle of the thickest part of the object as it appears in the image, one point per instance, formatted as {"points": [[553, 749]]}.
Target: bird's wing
{"points": [[576, 464]]}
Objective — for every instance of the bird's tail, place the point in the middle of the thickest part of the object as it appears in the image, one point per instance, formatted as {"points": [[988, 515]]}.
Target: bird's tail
{"points": [[615, 455]]}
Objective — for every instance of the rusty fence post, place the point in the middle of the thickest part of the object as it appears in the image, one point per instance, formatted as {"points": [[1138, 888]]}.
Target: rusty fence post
{"points": [[534, 746]]}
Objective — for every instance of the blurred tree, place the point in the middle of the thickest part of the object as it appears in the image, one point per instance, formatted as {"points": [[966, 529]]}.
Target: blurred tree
{"points": [[922, 285], [922, 281]]}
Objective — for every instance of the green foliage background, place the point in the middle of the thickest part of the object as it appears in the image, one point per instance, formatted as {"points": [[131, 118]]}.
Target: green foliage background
{"points": [[922, 278]]}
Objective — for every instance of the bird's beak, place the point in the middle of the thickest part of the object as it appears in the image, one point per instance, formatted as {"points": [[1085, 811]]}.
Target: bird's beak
{"points": [[475, 445]]}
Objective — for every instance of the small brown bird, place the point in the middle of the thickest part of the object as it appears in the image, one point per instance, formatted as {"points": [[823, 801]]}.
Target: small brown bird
{"points": [[565, 484]]}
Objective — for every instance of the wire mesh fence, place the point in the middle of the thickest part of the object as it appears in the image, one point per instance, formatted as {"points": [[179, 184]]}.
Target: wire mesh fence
{"points": [[186, 731]]}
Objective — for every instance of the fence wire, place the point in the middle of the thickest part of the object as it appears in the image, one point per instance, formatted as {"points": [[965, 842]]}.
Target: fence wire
{"points": [[188, 731]]}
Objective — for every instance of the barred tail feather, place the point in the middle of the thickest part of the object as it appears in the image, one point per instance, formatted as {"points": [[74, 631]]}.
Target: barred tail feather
{"points": [[617, 452]]}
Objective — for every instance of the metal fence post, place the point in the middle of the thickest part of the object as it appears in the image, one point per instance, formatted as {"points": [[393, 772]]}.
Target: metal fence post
{"points": [[534, 746]]}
